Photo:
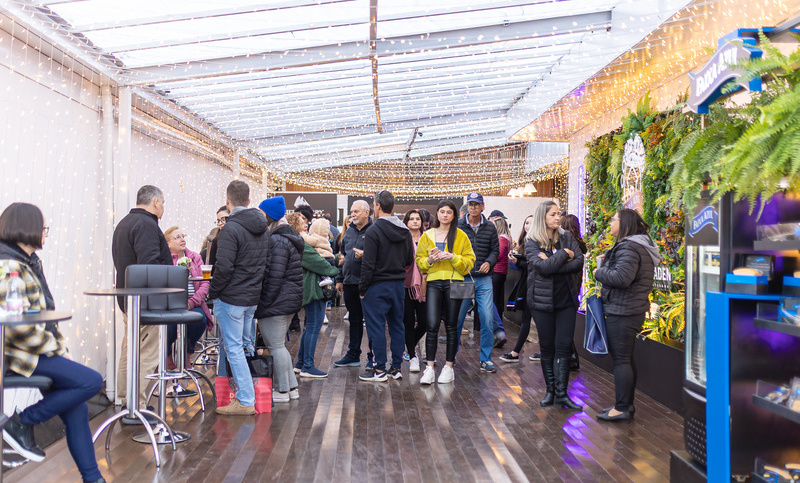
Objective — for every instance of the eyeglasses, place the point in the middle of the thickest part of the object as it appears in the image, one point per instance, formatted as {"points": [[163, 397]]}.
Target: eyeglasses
{"points": [[46, 230], [222, 220], [179, 237]]}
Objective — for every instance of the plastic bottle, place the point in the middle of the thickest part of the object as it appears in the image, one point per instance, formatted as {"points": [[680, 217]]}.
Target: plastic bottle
{"points": [[14, 288]]}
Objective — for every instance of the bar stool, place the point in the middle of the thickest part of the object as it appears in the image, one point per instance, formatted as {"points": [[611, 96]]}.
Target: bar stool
{"points": [[182, 373], [15, 381], [163, 310]]}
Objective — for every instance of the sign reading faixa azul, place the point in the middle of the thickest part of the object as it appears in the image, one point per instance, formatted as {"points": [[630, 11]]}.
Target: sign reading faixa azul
{"points": [[705, 86]]}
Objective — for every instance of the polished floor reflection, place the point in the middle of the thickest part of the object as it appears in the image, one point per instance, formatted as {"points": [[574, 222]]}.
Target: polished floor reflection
{"points": [[484, 427]]}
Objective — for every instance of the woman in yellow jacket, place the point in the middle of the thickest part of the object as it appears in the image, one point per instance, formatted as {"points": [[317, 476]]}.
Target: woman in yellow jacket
{"points": [[444, 253]]}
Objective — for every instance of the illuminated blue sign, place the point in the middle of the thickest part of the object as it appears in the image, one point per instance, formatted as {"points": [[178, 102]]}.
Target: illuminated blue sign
{"points": [[705, 86]]}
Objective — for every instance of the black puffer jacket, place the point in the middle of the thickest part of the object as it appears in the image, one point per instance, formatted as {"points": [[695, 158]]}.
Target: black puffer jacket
{"points": [[282, 291], [627, 276], [138, 240], [350, 274], [485, 244], [540, 272], [242, 259]]}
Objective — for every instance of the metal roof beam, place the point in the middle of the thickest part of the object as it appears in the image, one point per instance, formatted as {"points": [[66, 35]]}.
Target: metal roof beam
{"points": [[387, 127], [195, 14]]}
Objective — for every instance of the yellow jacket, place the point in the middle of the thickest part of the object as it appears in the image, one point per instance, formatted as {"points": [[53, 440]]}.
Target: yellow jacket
{"points": [[460, 265]]}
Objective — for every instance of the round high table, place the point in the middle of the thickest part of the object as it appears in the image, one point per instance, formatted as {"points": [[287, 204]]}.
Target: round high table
{"points": [[163, 434], [22, 319]]}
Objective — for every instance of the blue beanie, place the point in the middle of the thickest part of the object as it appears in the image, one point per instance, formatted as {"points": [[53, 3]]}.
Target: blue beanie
{"points": [[274, 207]]}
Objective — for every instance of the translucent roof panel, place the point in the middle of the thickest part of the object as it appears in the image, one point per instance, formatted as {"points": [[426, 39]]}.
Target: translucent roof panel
{"points": [[308, 84]]}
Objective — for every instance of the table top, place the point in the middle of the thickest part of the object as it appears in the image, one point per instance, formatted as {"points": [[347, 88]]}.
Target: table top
{"points": [[134, 291], [35, 318]]}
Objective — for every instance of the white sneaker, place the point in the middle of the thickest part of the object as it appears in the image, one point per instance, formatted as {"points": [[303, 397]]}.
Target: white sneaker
{"points": [[447, 375], [346, 316], [325, 320], [413, 364], [280, 397], [294, 394], [428, 376]]}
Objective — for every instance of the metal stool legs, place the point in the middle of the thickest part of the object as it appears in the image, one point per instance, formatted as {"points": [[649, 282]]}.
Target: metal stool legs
{"points": [[162, 434]]}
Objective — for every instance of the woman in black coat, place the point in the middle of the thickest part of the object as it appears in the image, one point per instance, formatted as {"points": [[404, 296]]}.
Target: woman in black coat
{"points": [[553, 259], [281, 297], [627, 278]]}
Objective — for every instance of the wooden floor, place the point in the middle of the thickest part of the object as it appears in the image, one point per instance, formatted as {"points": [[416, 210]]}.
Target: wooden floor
{"points": [[484, 427]]}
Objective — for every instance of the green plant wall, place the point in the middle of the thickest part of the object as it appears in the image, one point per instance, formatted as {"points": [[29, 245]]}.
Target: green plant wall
{"points": [[662, 134]]}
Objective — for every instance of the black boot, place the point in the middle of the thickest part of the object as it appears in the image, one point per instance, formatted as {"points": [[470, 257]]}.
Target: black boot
{"points": [[561, 369], [549, 381]]}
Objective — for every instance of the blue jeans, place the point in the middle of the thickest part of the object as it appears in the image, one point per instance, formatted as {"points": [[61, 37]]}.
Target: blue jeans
{"points": [[384, 301], [485, 301], [315, 313], [249, 337], [232, 320], [73, 385], [498, 322]]}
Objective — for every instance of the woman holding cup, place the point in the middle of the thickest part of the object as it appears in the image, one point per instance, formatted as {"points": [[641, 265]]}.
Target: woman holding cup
{"points": [[198, 291], [444, 253]]}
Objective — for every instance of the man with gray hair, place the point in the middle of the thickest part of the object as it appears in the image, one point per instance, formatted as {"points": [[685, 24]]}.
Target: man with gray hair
{"points": [[138, 240], [352, 248]]}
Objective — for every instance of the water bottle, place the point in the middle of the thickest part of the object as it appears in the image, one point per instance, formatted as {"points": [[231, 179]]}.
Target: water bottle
{"points": [[15, 288]]}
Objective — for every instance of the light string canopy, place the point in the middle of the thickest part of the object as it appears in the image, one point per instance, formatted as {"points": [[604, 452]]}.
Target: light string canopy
{"points": [[453, 174]]}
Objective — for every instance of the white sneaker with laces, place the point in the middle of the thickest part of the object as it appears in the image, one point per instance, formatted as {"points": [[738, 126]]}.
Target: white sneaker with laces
{"points": [[447, 375], [428, 376], [413, 364]]}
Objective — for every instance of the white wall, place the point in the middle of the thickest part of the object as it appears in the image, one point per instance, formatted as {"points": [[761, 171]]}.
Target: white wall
{"points": [[50, 155], [515, 209]]}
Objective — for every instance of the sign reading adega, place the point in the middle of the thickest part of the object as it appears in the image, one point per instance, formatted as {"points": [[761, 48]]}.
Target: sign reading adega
{"points": [[705, 86]]}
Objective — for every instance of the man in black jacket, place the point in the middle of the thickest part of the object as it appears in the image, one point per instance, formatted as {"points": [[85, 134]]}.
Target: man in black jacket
{"points": [[138, 240], [352, 248], [483, 236], [388, 250], [242, 261]]}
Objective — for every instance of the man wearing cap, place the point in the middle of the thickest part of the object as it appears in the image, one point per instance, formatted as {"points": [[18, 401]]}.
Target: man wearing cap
{"points": [[483, 236]]}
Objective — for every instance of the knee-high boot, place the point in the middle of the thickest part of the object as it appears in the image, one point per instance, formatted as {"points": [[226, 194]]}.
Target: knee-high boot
{"points": [[549, 380], [561, 369]]}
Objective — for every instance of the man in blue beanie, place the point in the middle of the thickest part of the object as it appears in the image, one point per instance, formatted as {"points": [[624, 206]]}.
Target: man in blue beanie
{"points": [[274, 208]]}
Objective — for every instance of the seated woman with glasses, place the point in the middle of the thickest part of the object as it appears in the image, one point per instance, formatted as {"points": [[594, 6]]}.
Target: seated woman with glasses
{"points": [[39, 349], [198, 291]]}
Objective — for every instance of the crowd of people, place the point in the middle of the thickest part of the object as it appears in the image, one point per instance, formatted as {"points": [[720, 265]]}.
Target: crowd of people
{"points": [[396, 277]]}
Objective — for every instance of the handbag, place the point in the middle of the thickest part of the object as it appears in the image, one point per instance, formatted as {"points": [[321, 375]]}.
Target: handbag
{"points": [[461, 290], [328, 288], [261, 372], [595, 340]]}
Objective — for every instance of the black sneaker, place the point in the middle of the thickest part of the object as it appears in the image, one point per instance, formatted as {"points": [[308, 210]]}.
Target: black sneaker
{"points": [[19, 436], [487, 366], [374, 375], [509, 357], [537, 356], [394, 373]]}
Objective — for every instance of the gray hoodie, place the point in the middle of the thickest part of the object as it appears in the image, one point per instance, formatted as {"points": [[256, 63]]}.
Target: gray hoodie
{"points": [[649, 245]]}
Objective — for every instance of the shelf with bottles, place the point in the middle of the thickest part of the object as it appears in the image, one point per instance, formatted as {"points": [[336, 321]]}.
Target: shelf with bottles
{"points": [[778, 319], [780, 399]]}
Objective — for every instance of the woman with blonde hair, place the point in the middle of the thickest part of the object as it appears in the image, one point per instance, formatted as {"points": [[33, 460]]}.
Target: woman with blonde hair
{"points": [[553, 256]]}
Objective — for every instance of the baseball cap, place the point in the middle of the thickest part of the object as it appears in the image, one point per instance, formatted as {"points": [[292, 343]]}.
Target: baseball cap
{"points": [[498, 213], [476, 197]]}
